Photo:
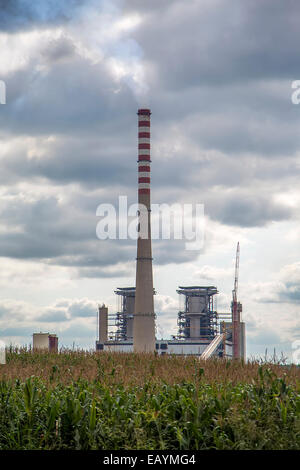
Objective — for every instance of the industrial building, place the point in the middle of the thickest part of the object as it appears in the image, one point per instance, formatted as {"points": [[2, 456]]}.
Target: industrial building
{"points": [[45, 341], [202, 331]]}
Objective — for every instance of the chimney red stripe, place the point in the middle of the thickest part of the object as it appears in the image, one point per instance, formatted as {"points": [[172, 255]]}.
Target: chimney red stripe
{"points": [[144, 146], [144, 168], [144, 151], [144, 179], [144, 134]]}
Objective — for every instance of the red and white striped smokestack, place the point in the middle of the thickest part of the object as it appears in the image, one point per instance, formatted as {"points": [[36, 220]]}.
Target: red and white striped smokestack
{"points": [[144, 316], [144, 151]]}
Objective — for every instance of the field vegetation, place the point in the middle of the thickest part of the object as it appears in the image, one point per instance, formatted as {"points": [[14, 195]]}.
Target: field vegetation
{"points": [[86, 400]]}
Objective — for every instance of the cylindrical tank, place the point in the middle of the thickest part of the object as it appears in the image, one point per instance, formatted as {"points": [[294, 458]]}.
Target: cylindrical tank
{"points": [[2, 353], [53, 343], [242, 341], [40, 341], [103, 321]]}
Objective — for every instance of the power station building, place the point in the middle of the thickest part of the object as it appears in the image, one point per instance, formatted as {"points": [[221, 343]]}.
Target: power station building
{"points": [[45, 341], [202, 331]]}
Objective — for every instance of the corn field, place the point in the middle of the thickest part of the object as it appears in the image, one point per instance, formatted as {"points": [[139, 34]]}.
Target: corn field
{"points": [[80, 400]]}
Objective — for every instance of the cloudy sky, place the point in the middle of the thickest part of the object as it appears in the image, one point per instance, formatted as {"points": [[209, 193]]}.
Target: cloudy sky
{"points": [[217, 75]]}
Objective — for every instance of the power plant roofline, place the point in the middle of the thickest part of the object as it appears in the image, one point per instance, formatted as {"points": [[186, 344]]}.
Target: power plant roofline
{"points": [[197, 287], [198, 290], [127, 290]]}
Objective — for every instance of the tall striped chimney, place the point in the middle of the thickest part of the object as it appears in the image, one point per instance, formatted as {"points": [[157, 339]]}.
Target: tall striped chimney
{"points": [[144, 316]]}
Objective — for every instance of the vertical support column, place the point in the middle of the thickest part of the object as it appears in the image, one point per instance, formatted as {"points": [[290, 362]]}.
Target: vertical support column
{"points": [[103, 323], [236, 330], [144, 316], [224, 338], [129, 311]]}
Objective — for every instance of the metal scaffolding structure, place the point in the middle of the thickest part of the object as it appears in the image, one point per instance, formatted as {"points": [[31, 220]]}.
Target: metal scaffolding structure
{"points": [[198, 319], [122, 320]]}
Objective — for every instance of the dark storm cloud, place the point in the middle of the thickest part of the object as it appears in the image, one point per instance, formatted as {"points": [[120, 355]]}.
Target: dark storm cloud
{"points": [[270, 338], [97, 259], [16, 331], [289, 293], [247, 131], [57, 233], [93, 163], [104, 273], [285, 289], [222, 119], [69, 96], [215, 42], [65, 313], [99, 253], [224, 131], [65, 310], [171, 251], [61, 233], [80, 309], [61, 230], [146, 7], [101, 162], [59, 49], [247, 210], [6, 310], [77, 96], [77, 332], [53, 315], [19, 15]]}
